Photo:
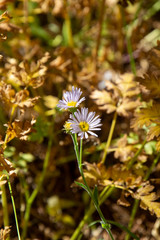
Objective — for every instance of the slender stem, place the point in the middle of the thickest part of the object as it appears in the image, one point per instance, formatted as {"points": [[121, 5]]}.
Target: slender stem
{"points": [[25, 9], [26, 219], [128, 40], [12, 112], [109, 137], [36, 190], [155, 161], [75, 142], [5, 207], [133, 214], [104, 223], [80, 156], [130, 52], [4, 197], [68, 25], [86, 217], [14, 207], [102, 10], [130, 164], [81, 169]]}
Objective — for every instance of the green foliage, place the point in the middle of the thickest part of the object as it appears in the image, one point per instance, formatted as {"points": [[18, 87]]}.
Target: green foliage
{"points": [[150, 147], [9, 152], [23, 160], [41, 130]]}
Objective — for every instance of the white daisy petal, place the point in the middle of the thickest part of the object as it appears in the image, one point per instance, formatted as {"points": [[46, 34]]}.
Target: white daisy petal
{"points": [[93, 133], [84, 122], [95, 129], [90, 116], [71, 99], [86, 135]]}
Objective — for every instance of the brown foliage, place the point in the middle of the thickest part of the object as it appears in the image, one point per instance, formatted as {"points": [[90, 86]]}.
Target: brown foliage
{"points": [[19, 129], [4, 233], [20, 99], [148, 199], [6, 165], [120, 96]]}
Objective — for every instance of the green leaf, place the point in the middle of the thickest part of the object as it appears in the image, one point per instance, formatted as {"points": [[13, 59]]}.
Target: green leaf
{"points": [[124, 229], [9, 152], [150, 147], [39, 32], [23, 159], [28, 157], [132, 138], [81, 185], [93, 223]]}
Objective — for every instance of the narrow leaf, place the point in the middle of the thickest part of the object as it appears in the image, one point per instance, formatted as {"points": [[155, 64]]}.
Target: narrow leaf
{"points": [[81, 185]]}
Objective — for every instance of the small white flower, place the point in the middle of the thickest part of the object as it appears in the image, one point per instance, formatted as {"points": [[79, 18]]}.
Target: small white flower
{"points": [[83, 123], [71, 99]]}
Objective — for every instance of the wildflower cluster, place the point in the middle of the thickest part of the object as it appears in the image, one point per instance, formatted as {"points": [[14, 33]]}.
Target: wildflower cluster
{"points": [[81, 121]]}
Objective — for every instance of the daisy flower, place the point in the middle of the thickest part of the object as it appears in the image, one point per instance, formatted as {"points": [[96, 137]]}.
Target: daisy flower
{"points": [[71, 99], [84, 122], [67, 127]]}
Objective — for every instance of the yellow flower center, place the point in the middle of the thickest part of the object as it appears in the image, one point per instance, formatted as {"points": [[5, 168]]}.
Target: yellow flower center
{"points": [[71, 104], [84, 126], [67, 126]]}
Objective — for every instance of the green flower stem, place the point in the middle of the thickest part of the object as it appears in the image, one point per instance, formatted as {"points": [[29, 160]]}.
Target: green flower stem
{"points": [[109, 137], [136, 201], [80, 156], [3, 188], [130, 164], [5, 207], [36, 190], [14, 207], [75, 142], [104, 223], [103, 196]]}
